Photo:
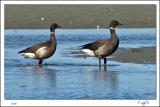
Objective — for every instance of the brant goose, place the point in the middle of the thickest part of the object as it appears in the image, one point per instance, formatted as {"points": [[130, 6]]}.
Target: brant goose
{"points": [[105, 47], [42, 50]]}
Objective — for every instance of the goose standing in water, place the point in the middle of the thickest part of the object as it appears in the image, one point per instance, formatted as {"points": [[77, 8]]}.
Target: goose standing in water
{"points": [[42, 50], [105, 47]]}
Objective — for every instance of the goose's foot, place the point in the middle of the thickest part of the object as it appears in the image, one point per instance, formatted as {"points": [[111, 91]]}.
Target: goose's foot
{"points": [[105, 68], [40, 63]]}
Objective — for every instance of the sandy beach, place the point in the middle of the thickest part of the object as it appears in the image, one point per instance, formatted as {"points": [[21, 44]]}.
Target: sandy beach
{"points": [[79, 16]]}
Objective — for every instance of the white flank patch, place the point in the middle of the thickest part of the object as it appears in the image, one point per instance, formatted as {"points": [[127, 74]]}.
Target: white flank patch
{"points": [[88, 51], [28, 55], [41, 52]]}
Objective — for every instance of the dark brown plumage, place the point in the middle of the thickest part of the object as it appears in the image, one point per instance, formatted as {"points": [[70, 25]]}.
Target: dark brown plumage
{"points": [[42, 50], [105, 47]]}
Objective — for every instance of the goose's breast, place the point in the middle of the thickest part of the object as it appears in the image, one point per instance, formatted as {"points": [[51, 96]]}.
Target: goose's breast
{"points": [[101, 51], [105, 50]]}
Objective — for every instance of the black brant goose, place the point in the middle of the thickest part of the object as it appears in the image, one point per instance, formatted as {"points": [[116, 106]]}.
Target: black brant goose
{"points": [[105, 47], [42, 50]]}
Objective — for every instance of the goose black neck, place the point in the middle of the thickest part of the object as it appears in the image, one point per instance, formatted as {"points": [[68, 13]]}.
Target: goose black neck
{"points": [[52, 38]]}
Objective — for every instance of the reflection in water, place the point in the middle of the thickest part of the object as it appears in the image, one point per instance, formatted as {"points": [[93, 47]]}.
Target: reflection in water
{"points": [[109, 77], [41, 74]]}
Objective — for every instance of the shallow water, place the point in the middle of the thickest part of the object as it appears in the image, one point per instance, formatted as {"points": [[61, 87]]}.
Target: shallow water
{"points": [[67, 75]]}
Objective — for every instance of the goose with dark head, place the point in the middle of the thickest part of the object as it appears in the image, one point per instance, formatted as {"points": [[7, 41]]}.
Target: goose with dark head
{"points": [[105, 47], [114, 23], [42, 50]]}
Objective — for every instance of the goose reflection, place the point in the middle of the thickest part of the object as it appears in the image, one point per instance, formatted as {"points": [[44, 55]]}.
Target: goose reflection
{"points": [[109, 77], [42, 75]]}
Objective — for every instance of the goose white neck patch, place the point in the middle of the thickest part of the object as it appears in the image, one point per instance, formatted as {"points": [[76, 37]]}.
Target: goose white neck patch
{"points": [[111, 28]]}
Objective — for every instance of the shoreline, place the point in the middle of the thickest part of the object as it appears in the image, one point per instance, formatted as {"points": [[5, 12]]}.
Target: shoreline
{"points": [[142, 55], [78, 28]]}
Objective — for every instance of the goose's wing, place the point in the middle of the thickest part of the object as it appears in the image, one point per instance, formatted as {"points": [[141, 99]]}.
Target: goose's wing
{"points": [[94, 45], [34, 48]]}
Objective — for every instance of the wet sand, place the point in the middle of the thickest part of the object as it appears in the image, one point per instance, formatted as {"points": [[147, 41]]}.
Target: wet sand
{"points": [[79, 16], [136, 55]]}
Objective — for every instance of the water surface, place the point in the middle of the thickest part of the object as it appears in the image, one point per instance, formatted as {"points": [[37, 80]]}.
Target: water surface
{"points": [[67, 75]]}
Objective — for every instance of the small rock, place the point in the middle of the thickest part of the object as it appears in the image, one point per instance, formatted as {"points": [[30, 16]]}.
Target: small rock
{"points": [[135, 50]]}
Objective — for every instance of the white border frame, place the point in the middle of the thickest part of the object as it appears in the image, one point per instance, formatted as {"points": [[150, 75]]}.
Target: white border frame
{"points": [[77, 102]]}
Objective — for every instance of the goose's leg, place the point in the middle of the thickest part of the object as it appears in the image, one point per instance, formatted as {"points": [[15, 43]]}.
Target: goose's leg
{"points": [[99, 64], [40, 62], [105, 61]]}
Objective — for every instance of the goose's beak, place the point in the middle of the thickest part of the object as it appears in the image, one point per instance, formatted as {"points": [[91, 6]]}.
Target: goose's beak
{"points": [[59, 26], [120, 24]]}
